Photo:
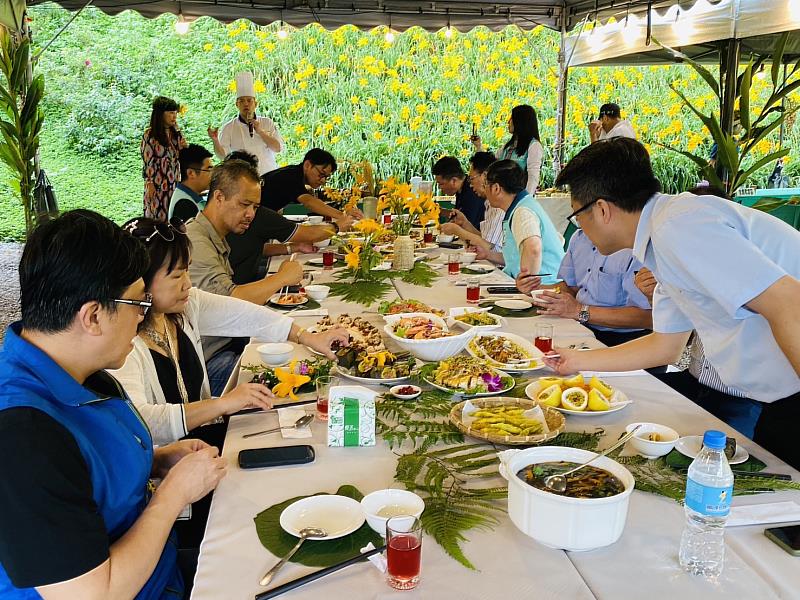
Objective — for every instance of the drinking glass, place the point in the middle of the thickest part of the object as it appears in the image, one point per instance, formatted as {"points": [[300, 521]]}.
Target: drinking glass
{"points": [[328, 258], [323, 385], [473, 290], [403, 551], [428, 236], [544, 337], [387, 219], [454, 263]]}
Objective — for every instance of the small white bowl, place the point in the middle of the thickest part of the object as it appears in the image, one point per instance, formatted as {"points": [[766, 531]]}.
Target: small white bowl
{"points": [[275, 355], [398, 502], [446, 238], [512, 304], [648, 448], [395, 389], [315, 219], [317, 292], [467, 258]]}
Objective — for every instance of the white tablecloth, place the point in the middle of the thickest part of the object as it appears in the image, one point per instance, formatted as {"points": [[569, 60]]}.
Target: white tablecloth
{"points": [[642, 564]]}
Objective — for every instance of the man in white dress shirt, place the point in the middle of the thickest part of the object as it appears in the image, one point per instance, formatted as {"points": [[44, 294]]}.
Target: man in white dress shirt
{"points": [[247, 131], [729, 272], [610, 124]]}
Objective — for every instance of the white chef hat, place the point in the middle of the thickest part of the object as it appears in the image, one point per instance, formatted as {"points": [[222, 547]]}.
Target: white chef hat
{"points": [[244, 84]]}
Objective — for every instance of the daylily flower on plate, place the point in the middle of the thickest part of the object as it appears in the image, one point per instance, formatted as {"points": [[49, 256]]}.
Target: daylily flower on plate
{"points": [[288, 382]]}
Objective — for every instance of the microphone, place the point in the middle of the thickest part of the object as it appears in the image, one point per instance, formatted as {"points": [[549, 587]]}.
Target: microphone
{"points": [[250, 124]]}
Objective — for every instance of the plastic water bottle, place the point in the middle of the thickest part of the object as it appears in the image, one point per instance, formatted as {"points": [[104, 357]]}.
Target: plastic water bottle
{"points": [[709, 488]]}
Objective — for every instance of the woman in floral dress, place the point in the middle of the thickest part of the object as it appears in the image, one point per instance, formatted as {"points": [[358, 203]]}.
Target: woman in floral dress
{"points": [[161, 143]]}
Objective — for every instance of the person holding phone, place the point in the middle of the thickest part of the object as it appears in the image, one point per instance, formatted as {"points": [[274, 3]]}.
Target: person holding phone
{"points": [[247, 131], [610, 124], [524, 147], [78, 515]]}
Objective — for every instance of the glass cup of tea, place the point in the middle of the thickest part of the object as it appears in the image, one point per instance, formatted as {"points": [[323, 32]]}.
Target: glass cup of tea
{"points": [[427, 236], [328, 258], [323, 385], [544, 337], [403, 551], [387, 219], [473, 290], [454, 263]]}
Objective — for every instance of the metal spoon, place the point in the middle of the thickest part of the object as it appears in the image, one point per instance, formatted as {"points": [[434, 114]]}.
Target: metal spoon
{"points": [[301, 422], [558, 483], [307, 532]]}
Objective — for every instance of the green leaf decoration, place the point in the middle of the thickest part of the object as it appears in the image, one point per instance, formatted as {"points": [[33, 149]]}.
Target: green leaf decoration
{"points": [[420, 274], [360, 292], [313, 553], [423, 421], [504, 312], [446, 480]]}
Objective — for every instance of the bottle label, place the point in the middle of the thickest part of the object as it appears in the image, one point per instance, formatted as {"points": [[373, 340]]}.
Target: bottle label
{"points": [[709, 501]]}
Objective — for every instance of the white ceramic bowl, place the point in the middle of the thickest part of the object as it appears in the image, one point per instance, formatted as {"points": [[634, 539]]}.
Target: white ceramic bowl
{"points": [[315, 219], [649, 448], [467, 258], [446, 238], [275, 355], [317, 292], [557, 521], [401, 502], [323, 243], [430, 350], [394, 391]]}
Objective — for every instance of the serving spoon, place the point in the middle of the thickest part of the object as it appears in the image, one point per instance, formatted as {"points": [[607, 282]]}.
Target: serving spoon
{"points": [[301, 422], [306, 532], [558, 483]]}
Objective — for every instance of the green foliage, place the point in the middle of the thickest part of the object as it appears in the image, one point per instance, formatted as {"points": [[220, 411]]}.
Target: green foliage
{"points": [[422, 421], [419, 274], [313, 553], [360, 292], [449, 481]]}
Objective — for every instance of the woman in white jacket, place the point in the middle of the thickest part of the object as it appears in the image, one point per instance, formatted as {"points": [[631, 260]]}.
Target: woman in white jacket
{"points": [[524, 147], [165, 375]]}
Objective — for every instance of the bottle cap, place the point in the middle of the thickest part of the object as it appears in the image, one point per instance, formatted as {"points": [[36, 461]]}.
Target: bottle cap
{"points": [[714, 439]]}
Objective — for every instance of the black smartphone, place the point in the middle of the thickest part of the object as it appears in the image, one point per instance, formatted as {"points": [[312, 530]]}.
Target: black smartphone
{"points": [[260, 458], [503, 290], [787, 538]]}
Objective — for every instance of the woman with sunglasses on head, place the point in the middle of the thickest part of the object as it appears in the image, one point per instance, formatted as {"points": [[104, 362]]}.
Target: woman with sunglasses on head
{"points": [[165, 374], [161, 143]]}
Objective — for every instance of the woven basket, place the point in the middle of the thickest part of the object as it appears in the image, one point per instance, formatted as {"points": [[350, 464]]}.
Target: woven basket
{"points": [[554, 419]]}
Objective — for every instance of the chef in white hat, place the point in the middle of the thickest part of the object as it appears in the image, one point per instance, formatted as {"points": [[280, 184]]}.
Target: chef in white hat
{"points": [[254, 134]]}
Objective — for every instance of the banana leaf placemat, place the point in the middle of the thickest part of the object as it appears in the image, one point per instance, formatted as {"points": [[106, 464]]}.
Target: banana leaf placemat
{"points": [[313, 553], [676, 460]]}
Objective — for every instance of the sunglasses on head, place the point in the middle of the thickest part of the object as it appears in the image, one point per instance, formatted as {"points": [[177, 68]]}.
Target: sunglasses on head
{"points": [[146, 231]]}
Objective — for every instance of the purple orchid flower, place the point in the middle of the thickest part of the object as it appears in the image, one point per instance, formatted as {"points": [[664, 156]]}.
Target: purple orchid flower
{"points": [[493, 382], [304, 368]]}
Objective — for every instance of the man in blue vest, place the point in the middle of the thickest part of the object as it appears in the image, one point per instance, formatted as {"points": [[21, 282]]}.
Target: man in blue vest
{"points": [[531, 242], [77, 515]]}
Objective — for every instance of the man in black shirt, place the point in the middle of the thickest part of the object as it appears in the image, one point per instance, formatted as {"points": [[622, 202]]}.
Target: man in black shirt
{"points": [[452, 180], [293, 184], [187, 199]]}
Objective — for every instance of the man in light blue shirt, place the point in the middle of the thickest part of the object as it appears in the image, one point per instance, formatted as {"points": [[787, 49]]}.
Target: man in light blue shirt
{"points": [[600, 292], [729, 272]]}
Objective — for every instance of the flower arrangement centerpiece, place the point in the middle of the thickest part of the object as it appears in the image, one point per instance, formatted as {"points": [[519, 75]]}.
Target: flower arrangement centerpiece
{"points": [[360, 282], [363, 187], [408, 207]]}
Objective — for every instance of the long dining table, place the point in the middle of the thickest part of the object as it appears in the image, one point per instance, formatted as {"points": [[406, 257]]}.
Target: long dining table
{"points": [[642, 564]]}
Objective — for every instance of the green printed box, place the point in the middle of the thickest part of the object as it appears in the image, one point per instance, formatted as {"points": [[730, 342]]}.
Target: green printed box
{"points": [[351, 416]]}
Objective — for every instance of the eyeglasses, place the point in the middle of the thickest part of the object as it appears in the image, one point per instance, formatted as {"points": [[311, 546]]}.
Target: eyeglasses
{"points": [[572, 218], [147, 230], [208, 170], [321, 172], [144, 305]]}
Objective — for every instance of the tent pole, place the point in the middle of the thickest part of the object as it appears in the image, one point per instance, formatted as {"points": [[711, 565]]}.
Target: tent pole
{"points": [[561, 109]]}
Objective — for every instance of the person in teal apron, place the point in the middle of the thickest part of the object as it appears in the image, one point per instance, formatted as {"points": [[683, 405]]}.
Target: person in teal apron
{"points": [[531, 242]]}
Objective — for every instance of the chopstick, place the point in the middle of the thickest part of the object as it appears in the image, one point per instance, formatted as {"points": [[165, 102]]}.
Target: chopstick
{"points": [[535, 275], [296, 583], [248, 411]]}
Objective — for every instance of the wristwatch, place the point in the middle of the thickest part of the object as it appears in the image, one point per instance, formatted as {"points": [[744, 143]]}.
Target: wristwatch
{"points": [[583, 315]]}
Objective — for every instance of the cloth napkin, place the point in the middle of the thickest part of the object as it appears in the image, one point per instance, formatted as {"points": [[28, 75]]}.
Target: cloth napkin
{"points": [[761, 514], [287, 417]]}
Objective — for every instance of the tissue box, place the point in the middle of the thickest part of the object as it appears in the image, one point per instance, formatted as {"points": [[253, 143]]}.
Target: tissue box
{"points": [[351, 416]]}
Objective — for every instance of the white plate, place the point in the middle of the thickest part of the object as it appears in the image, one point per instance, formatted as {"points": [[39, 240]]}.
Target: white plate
{"points": [[276, 296], [690, 445], [532, 350], [316, 261], [620, 401], [465, 395], [344, 372], [337, 515], [482, 269], [513, 304], [296, 218]]}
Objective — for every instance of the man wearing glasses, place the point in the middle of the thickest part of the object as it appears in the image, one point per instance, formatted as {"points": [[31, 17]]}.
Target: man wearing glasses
{"points": [[452, 181], [729, 272], [187, 199], [294, 184], [78, 517]]}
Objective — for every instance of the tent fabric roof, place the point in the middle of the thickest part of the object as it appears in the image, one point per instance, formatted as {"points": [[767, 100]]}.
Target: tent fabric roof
{"points": [[399, 14], [696, 30]]}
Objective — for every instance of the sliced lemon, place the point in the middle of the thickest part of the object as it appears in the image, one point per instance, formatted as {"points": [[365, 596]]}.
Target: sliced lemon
{"points": [[550, 396], [545, 382], [597, 401], [601, 386], [574, 398], [576, 381]]}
